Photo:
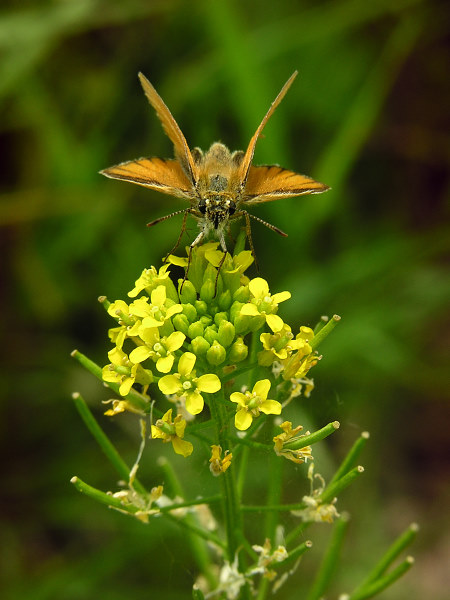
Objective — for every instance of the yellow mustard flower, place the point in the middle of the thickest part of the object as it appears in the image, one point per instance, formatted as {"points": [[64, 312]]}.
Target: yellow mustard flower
{"points": [[303, 359], [149, 280], [157, 311], [172, 431], [186, 383], [218, 465], [264, 304], [159, 349], [290, 435], [120, 311], [277, 346], [121, 371], [251, 404]]}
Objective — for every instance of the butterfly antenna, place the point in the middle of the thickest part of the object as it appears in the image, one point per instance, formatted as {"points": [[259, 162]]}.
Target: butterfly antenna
{"points": [[269, 225]]}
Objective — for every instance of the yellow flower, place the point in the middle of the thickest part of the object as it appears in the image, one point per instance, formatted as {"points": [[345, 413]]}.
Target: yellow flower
{"points": [[251, 404], [149, 280], [301, 361], [172, 431], [120, 311], [263, 304], [186, 383], [317, 511], [124, 372], [159, 349], [290, 435], [277, 346], [218, 465], [159, 310], [121, 371]]}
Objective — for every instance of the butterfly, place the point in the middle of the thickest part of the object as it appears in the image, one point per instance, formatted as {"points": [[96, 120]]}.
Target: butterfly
{"points": [[218, 184]]}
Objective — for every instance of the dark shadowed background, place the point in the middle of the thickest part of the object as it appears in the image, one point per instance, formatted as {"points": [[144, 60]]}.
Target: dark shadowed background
{"points": [[368, 115]]}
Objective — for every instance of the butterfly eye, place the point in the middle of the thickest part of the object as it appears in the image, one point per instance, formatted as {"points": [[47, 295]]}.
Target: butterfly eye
{"points": [[231, 207], [202, 206]]}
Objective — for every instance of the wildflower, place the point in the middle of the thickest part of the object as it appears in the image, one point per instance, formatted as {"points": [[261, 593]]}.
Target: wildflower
{"points": [[301, 361], [120, 406], [231, 580], [159, 349], [290, 435], [251, 404], [124, 372], [150, 279], [277, 345], [266, 558], [158, 311], [218, 465], [263, 304], [317, 511], [172, 431], [131, 497], [185, 383]]}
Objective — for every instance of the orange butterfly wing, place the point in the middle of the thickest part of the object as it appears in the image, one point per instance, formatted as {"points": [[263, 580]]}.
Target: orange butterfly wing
{"points": [[244, 167], [273, 182], [170, 126], [165, 176]]}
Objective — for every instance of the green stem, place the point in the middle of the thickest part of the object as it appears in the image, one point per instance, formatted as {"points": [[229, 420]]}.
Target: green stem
{"points": [[351, 457], [392, 553], [312, 438], [381, 584], [333, 490], [100, 496], [104, 442], [139, 401], [326, 329], [329, 562], [190, 522]]}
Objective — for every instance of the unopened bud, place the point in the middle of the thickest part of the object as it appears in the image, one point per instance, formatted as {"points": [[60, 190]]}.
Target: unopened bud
{"points": [[242, 294], [226, 333], [188, 293], [208, 290], [216, 354], [195, 329], [225, 300], [190, 312], [201, 307], [181, 323], [210, 334], [199, 346], [238, 351]]}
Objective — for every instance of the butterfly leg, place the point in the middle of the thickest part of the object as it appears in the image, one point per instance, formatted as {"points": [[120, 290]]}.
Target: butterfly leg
{"points": [[183, 229], [197, 240]]}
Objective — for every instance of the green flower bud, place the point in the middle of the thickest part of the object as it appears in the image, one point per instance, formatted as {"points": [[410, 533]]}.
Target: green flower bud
{"points": [[196, 329], [188, 294], [220, 316], [242, 294], [256, 323], [265, 358], [208, 290], [235, 309], [171, 291], [225, 300], [216, 354], [201, 307], [199, 346], [226, 333], [210, 334], [238, 351], [190, 312], [242, 323], [181, 323], [206, 320]]}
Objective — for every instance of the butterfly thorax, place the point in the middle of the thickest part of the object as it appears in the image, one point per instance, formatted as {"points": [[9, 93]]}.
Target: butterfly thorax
{"points": [[217, 187]]}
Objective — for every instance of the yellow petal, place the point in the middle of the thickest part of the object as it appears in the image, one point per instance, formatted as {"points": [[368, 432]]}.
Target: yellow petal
{"points": [[239, 398], [270, 407], [157, 433], [186, 363], [259, 287], [209, 383], [182, 447], [175, 341], [242, 420], [173, 310], [165, 363], [158, 295], [261, 388], [125, 387], [214, 257], [274, 322], [194, 403], [117, 357], [281, 297], [177, 260], [140, 354], [169, 384], [250, 310]]}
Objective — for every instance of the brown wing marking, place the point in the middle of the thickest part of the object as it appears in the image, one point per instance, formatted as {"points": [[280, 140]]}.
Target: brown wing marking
{"points": [[273, 182], [248, 157], [170, 126], [166, 176]]}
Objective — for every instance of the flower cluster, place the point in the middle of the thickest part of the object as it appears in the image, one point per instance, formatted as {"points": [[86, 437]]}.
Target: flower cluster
{"points": [[187, 342]]}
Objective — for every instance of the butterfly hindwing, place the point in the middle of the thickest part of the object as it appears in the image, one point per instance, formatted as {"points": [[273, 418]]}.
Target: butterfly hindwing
{"points": [[272, 183]]}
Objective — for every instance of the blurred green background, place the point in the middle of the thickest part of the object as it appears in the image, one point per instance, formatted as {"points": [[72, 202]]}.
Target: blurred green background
{"points": [[368, 115]]}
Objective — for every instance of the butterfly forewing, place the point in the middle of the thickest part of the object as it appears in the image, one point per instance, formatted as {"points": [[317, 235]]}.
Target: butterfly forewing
{"points": [[165, 176], [182, 152], [244, 168], [272, 183]]}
